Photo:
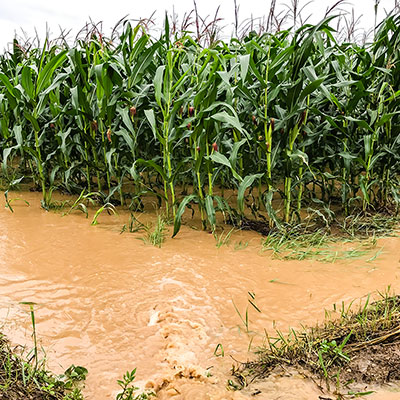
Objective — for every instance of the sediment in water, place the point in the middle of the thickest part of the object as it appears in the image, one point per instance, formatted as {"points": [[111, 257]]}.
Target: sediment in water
{"points": [[107, 301]]}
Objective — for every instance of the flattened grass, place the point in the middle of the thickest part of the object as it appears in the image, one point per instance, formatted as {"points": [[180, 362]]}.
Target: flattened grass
{"points": [[311, 241]]}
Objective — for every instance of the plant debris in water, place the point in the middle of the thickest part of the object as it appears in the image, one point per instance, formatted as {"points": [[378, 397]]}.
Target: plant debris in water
{"points": [[358, 347], [313, 241]]}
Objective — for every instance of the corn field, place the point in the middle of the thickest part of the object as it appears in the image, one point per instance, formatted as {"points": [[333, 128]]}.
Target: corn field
{"points": [[283, 123]]}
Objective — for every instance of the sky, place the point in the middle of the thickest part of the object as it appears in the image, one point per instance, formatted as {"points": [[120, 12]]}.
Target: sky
{"points": [[17, 16]]}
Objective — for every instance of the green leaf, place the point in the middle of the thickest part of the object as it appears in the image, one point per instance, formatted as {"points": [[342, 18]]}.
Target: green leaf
{"points": [[234, 155], [244, 65], [270, 210], [152, 164], [158, 81], [32, 120], [258, 75], [141, 65], [310, 88], [46, 74], [26, 82], [247, 182], [360, 123], [298, 154], [152, 120], [6, 153], [180, 211], [385, 118], [228, 119], [210, 211], [310, 73], [128, 139], [64, 136], [7, 84], [221, 159]]}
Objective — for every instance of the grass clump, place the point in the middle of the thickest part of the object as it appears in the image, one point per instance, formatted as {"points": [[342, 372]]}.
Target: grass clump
{"points": [[154, 233], [352, 347], [19, 379], [222, 239]]}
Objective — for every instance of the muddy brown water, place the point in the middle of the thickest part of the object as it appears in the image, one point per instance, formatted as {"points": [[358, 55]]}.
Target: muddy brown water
{"points": [[109, 302]]}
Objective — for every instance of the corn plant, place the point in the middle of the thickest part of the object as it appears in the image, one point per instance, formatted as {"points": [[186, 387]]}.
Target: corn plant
{"points": [[291, 122]]}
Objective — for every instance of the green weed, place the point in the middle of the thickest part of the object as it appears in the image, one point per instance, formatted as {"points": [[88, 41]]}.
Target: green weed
{"points": [[26, 375], [129, 389], [223, 239], [155, 234]]}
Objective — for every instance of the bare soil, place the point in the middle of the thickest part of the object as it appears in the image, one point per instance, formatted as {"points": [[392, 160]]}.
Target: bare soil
{"points": [[375, 364]]}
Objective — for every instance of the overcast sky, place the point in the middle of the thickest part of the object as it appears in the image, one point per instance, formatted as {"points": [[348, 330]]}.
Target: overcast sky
{"points": [[73, 14]]}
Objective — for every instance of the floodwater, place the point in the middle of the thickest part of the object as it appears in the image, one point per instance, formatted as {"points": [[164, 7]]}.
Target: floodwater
{"points": [[111, 303]]}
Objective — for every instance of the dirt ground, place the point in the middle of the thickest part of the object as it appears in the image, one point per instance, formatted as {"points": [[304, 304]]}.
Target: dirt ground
{"points": [[375, 364]]}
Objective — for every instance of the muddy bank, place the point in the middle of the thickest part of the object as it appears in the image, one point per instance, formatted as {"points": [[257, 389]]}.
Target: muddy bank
{"points": [[25, 377], [378, 364], [352, 352], [111, 303]]}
